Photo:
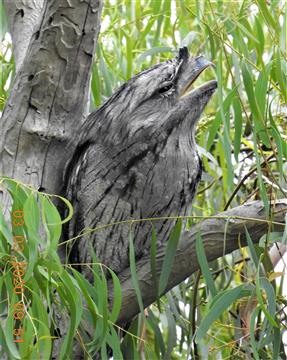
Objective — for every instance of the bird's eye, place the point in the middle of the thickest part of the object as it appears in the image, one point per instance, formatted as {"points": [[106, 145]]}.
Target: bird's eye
{"points": [[165, 88], [171, 77]]}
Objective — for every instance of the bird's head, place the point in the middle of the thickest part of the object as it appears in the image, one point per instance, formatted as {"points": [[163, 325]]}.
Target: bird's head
{"points": [[159, 99]]}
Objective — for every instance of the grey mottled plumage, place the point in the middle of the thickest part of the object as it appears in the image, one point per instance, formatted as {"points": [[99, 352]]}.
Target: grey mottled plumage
{"points": [[137, 158]]}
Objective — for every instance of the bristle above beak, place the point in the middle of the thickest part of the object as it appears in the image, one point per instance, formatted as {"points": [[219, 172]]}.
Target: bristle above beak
{"points": [[183, 53]]}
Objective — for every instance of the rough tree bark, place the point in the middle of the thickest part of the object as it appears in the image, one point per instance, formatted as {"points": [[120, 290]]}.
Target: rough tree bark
{"points": [[23, 17], [48, 102], [50, 92]]}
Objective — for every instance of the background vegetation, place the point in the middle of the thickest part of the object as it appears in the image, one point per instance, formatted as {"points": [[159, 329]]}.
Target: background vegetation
{"points": [[242, 139]]}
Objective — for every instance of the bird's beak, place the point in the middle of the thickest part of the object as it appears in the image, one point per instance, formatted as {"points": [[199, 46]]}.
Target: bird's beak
{"points": [[191, 70]]}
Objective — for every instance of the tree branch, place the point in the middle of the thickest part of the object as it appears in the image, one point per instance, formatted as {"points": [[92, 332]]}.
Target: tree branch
{"points": [[22, 18], [220, 235]]}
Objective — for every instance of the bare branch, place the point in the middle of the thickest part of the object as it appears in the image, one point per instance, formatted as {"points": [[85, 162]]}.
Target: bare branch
{"points": [[221, 235], [276, 253]]}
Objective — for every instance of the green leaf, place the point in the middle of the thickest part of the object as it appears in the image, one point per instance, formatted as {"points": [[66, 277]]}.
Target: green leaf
{"points": [[157, 333], [104, 71], [238, 126], [129, 56], [3, 17], [117, 297], [261, 90], [211, 41], [246, 32], [96, 86], [70, 208], [252, 249], [262, 283], [260, 36], [134, 273], [32, 223], [52, 223], [169, 256], [113, 341], [101, 288], [32, 214], [104, 352], [257, 115], [219, 118], [153, 263], [252, 332], [5, 232], [17, 192], [38, 313], [171, 328], [267, 15], [72, 299], [202, 260], [281, 145], [262, 188], [7, 340], [277, 343], [280, 76], [84, 285], [221, 304]]}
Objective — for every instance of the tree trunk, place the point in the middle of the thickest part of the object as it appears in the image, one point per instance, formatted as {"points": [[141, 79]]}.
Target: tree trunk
{"points": [[22, 19], [50, 92]]}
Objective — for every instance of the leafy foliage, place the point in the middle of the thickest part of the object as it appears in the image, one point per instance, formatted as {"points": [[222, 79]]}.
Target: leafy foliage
{"points": [[46, 286]]}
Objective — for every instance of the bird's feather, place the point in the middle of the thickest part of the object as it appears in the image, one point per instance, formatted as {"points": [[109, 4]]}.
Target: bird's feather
{"points": [[136, 159]]}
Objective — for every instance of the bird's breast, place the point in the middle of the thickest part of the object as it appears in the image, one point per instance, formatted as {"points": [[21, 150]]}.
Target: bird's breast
{"points": [[162, 183]]}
